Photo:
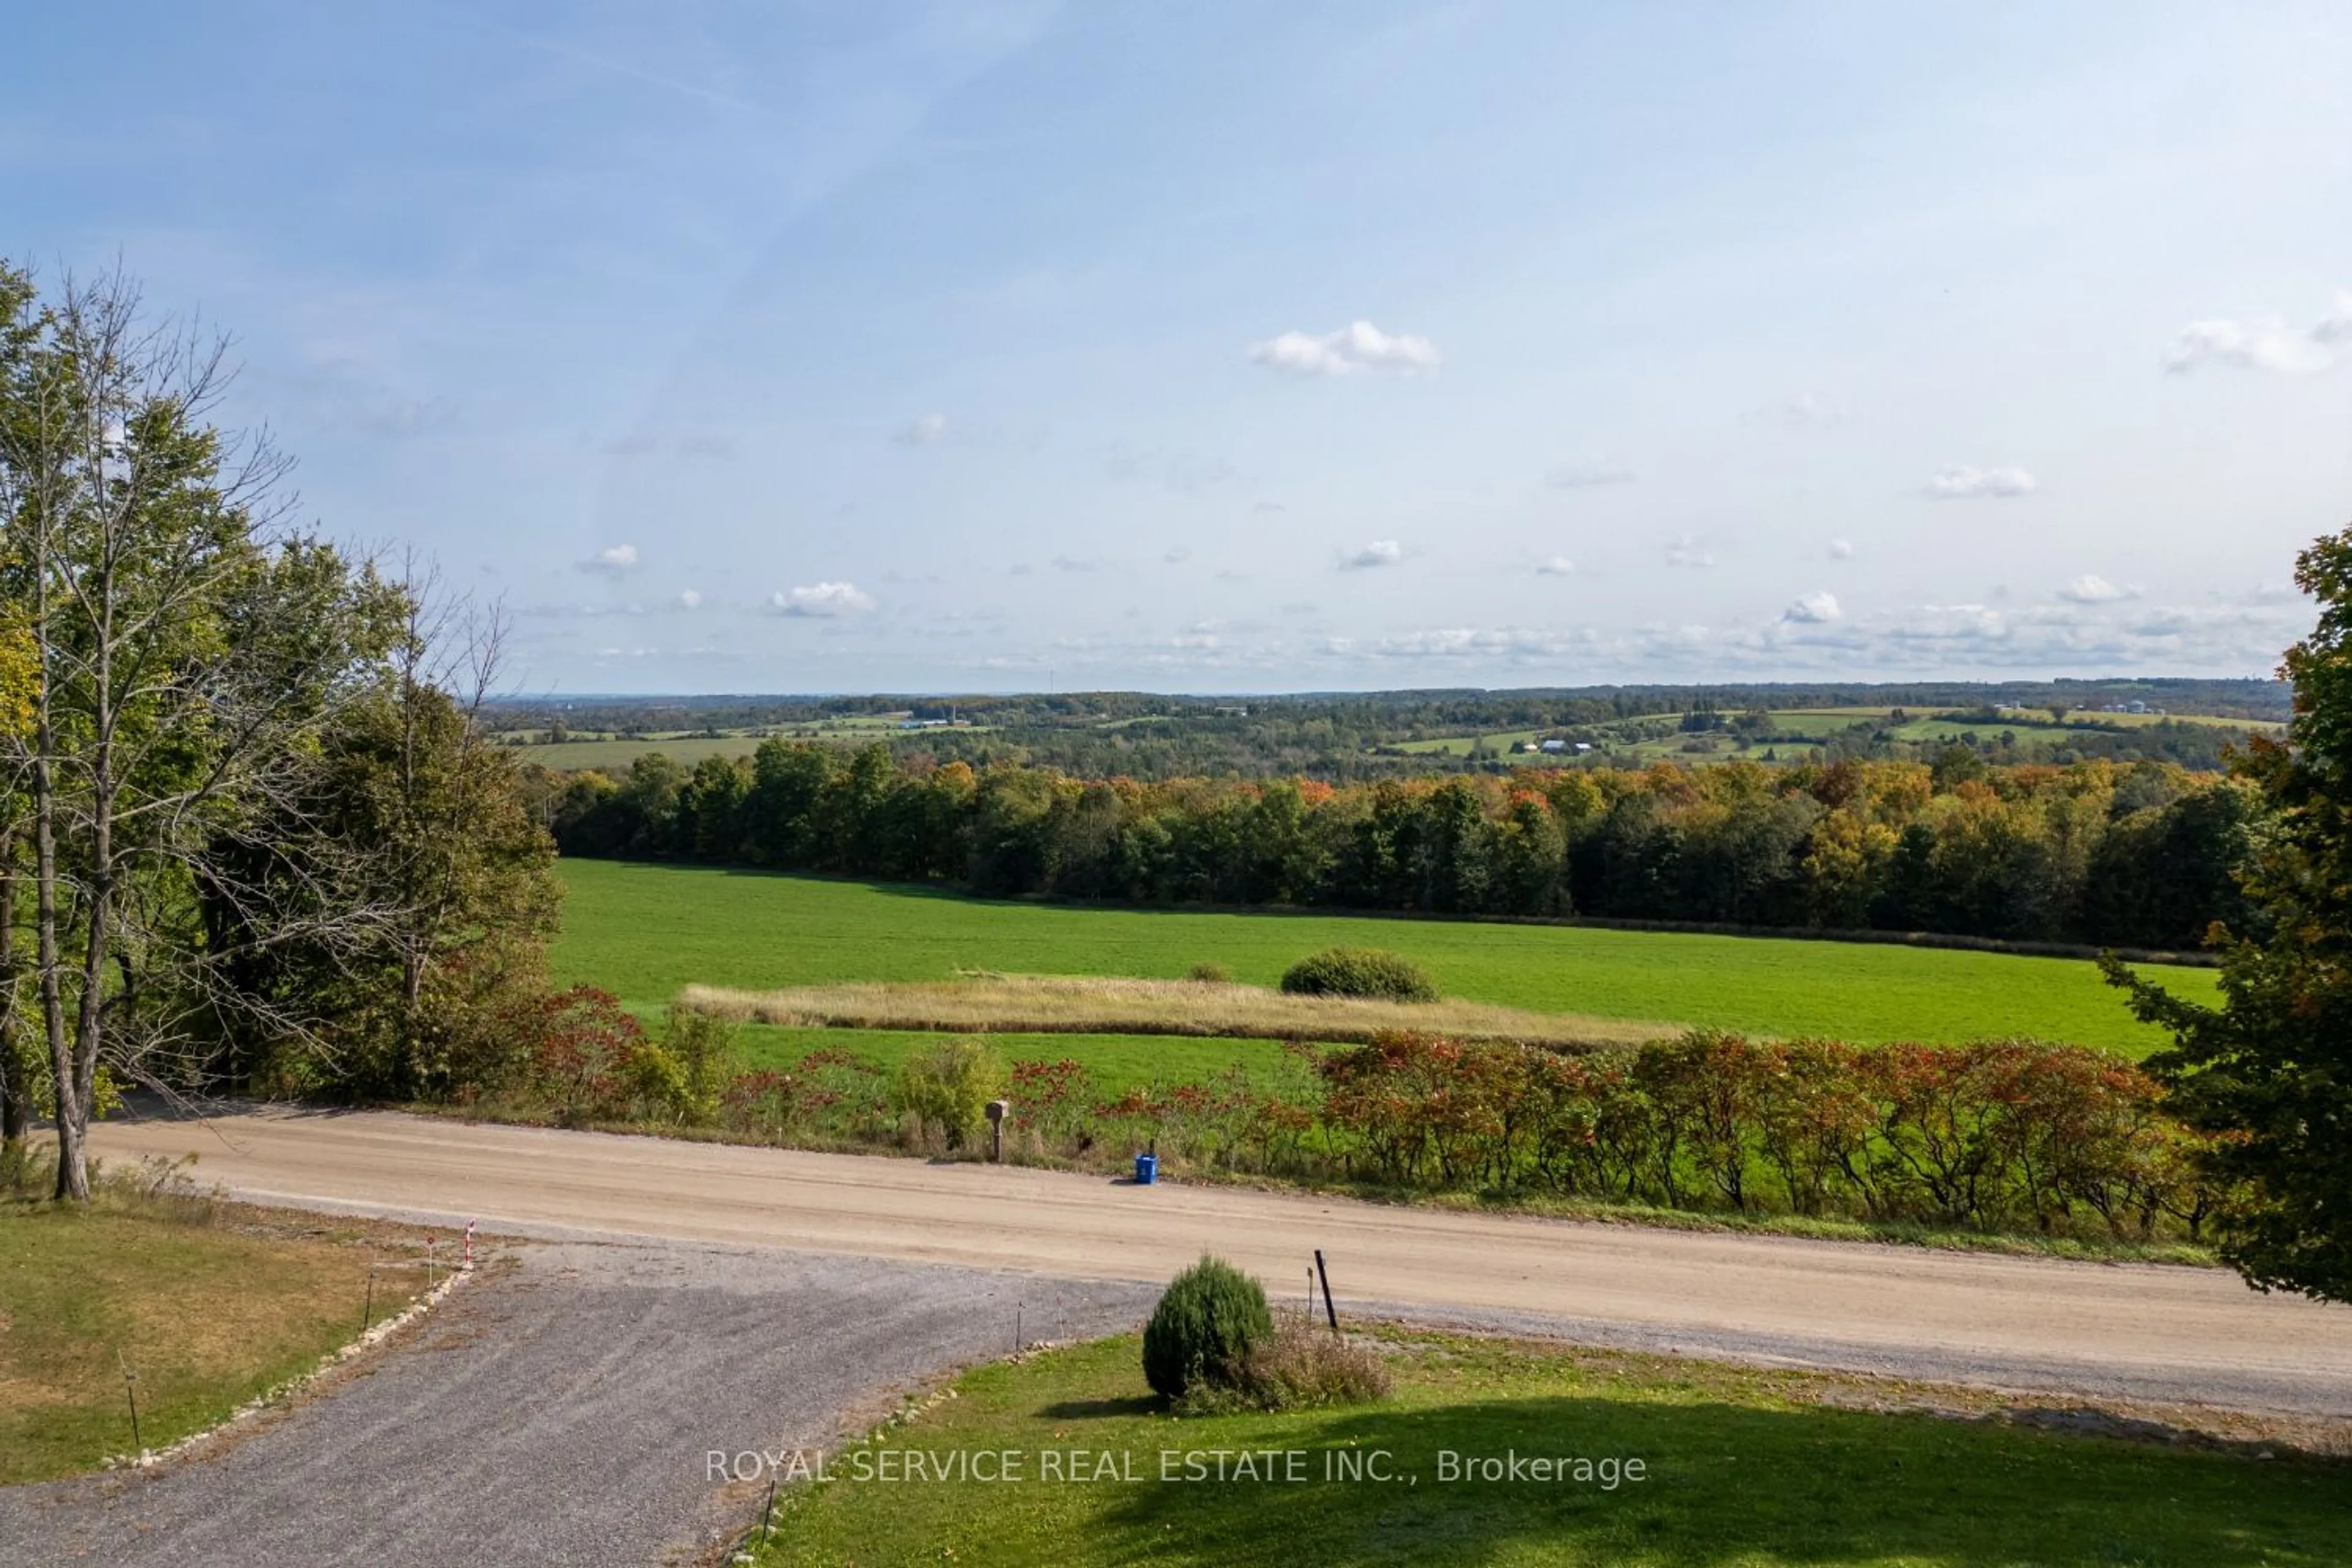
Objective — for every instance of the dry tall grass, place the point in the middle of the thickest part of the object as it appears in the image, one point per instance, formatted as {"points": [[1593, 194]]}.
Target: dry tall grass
{"points": [[1076, 1005]]}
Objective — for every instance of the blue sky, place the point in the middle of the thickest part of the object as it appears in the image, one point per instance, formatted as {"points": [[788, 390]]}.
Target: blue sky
{"points": [[1234, 347]]}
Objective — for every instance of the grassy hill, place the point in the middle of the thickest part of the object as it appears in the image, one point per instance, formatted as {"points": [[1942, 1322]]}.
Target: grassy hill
{"points": [[646, 931]]}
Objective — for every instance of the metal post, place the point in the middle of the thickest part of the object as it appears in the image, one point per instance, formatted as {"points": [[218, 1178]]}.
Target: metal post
{"points": [[367, 1312], [131, 1393], [1320, 1273]]}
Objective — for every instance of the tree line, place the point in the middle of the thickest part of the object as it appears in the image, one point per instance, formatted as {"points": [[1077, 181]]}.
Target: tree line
{"points": [[252, 833], [2143, 854]]}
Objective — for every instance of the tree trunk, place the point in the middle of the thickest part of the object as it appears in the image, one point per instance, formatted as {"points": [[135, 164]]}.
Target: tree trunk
{"points": [[15, 1086], [73, 1159], [89, 1016]]}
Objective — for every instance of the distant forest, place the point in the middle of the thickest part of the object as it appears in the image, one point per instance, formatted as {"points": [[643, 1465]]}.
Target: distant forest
{"points": [[2144, 854], [1356, 737]]}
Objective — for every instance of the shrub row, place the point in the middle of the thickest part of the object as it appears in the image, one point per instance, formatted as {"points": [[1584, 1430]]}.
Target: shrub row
{"points": [[2000, 1135]]}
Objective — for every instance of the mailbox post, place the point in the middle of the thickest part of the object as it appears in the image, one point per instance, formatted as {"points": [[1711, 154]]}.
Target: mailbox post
{"points": [[996, 1113]]}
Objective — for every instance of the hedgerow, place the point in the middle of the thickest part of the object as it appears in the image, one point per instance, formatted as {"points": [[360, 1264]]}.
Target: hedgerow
{"points": [[1999, 1136]]}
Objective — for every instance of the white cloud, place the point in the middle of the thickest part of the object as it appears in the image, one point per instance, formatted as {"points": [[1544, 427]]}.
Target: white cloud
{"points": [[618, 561], [1177, 555], [1077, 564], [823, 599], [1556, 566], [2092, 589], [1379, 552], [1813, 609], [1587, 476], [1966, 483], [928, 430], [1359, 346], [1686, 552], [689, 598], [2263, 342], [1841, 550]]}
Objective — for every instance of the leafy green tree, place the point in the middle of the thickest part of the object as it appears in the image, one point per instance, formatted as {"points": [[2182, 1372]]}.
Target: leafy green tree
{"points": [[710, 810], [779, 815], [411, 813], [2270, 1070], [2162, 875]]}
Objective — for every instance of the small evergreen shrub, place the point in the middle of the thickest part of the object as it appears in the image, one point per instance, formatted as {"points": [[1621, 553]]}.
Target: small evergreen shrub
{"points": [[1208, 1322], [1210, 975], [1360, 971]]}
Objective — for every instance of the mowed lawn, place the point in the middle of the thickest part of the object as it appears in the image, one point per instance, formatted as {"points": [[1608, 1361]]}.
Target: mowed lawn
{"points": [[1737, 1467], [643, 931]]}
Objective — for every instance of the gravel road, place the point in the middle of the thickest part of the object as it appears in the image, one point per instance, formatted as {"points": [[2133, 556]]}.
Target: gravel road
{"points": [[2137, 1331], [562, 1410]]}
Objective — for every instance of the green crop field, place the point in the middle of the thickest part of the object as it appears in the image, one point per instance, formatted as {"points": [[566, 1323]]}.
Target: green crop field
{"points": [[614, 756], [1820, 723], [1063, 1459], [1462, 745], [645, 931], [614, 753]]}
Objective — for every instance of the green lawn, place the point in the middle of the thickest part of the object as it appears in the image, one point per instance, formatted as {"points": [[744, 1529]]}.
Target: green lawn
{"points": [[643, 931], [1737, 1467]]}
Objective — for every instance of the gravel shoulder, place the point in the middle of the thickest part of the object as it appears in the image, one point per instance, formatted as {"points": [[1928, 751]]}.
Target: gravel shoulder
{"points": [[562, 1409]]}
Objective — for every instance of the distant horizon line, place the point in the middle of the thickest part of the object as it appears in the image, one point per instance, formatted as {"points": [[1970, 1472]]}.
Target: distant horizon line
{"points": [[1330, 693]]}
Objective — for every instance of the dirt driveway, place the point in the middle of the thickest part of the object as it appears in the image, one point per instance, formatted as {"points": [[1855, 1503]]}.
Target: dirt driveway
{"points": [[2139, 1332]]}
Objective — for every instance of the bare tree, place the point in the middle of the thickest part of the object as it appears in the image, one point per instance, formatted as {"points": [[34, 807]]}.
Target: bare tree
{"points": [[183, 644]]}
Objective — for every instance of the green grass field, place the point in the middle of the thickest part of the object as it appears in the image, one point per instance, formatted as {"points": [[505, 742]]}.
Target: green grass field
{"points": [[1739, 1467], [645, 932], [614, 756], [614, 753], [1820, 723]]}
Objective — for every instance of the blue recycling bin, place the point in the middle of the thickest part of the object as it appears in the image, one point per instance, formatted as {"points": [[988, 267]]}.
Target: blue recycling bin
{"points": [[1147, 1170]]}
